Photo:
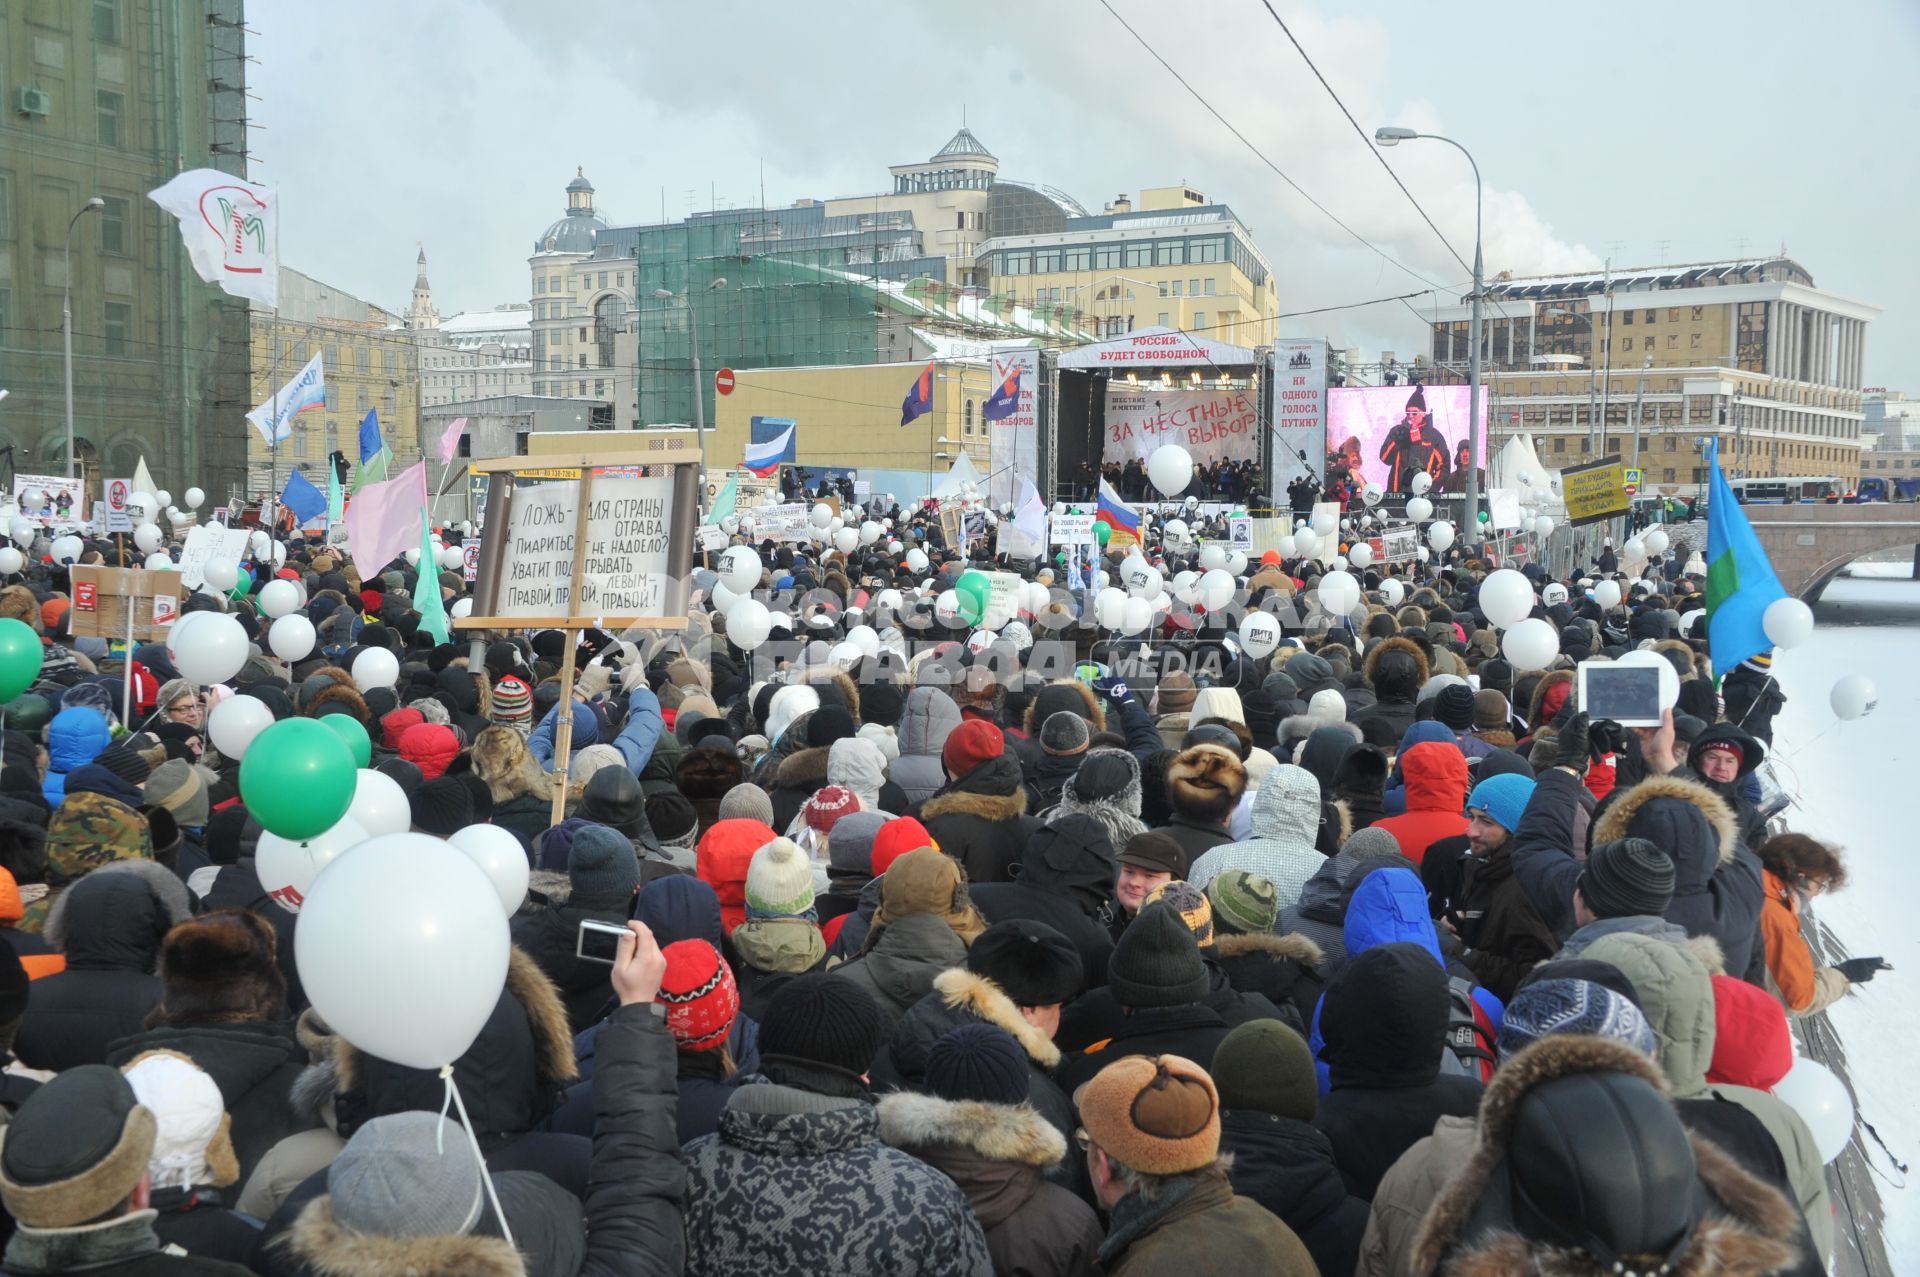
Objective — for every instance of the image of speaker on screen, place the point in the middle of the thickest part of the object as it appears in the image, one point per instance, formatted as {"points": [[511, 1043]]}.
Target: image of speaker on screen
{"points": [[1414, 445]]}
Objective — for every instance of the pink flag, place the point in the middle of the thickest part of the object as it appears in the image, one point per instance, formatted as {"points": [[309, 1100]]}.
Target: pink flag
{"points": [[385, 520], [450, 441]]}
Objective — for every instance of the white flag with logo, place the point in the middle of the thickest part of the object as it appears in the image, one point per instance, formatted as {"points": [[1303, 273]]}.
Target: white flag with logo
{"points": [[231, 229], [308, 389]]}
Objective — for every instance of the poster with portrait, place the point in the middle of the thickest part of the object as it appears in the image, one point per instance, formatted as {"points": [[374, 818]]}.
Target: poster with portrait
{"points": [[1389, 434], [50, 500]]}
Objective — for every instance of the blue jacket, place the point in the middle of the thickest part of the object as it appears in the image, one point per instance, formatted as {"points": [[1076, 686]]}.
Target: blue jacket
{"points": [[635, 741], [75, 738]]}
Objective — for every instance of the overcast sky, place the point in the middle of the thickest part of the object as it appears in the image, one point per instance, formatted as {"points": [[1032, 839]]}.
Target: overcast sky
{"points": [[1646, 132]]}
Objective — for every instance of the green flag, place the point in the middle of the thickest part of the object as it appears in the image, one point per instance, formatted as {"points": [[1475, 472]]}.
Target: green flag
{"points": [[724, 503], [336, 500], [426, 587], [372, 470]]}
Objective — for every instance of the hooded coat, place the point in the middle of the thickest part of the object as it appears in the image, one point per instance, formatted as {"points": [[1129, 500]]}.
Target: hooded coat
{"points": [[1285, 824], [75, 738], [1321, 915], [722, 859], [899, 967], [1064, 878], [1436, 776], [929, 718], [980, 819], [1396, 669], [1287, 1166], [550, 938]]}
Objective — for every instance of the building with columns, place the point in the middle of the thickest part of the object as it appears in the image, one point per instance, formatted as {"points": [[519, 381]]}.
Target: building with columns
{"points": [[1749, 353]]}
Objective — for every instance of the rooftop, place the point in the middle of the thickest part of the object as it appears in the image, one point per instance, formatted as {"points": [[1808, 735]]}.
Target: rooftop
{"points": [[962, 143], [487, 321], [1758, 270]]}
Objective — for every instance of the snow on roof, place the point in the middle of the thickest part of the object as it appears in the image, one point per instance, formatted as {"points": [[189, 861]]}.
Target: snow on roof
{"points": [[487, 321]]}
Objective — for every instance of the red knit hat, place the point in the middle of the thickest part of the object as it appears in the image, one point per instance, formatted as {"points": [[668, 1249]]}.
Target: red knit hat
{"points": [[828, 805], [896, 838], [974, 742], [699, 994]]}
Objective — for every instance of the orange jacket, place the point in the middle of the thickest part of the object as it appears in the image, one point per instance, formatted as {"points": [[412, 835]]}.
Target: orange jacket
{"points": [[1803, 987]]}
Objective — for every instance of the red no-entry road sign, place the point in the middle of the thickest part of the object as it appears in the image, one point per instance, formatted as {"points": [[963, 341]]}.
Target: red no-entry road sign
{"points": [[723, 381]]}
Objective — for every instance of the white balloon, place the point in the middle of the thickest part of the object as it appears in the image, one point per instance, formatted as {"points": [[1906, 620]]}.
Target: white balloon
{"points": [[1506, 597], [1340, 562], [194, 497], [1215, 587], [1421, 552], [1135, 616], [1392, 591], [288, 866], [292, 637], [160, 561], [234, 723], [1286, 546], [1669, 677], [11, 561], [402, 949], [748, 624], [1440, 536], [68, 549], [413, 558], [865, 638], [461, 608], [821, 515], [1553, 594], [1175, 531], [1339, 592], [1143, 580], [870, 532], [1237, 563], [835, 524], [1531, 645], [1853, 697], [277, 598], [1306, 542], [1655, 541], [846, 540], [1635, 548], [1422, 484], [1212, 558], [140, 504], [1607, 595], [1371, 494], [1543, 526], [163, 496], [453, 558], [1823, 1103], [1259, 634], [257, 543], [946, 607], [500, 857], [217, 649], [1170, 469], [1419, 509], [1325, 523], [1788, 622], [379, 805], [740, 568], [148, 537], [180, 519], [1110, 608], [916, 560], [22, 531], [375, 668], [222, 576], [1360, 554]]}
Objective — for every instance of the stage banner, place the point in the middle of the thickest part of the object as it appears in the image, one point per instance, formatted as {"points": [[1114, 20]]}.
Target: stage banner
{"points": [[1212, 425], [1391, 433], [1299, 410], [1011, 414]]}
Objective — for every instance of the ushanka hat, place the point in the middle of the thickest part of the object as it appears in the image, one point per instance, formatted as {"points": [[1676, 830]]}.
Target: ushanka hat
{"points": [[75, 1149], [1156, 1114]]}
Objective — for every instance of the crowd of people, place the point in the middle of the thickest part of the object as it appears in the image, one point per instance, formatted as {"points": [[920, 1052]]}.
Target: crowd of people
{"points": [[1232, 480], [1366, 954]]}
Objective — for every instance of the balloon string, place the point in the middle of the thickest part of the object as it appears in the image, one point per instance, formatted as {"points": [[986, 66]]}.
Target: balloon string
{"points": [[473, 1142]]}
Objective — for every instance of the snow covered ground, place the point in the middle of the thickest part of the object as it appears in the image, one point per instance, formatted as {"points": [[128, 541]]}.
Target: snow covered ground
{"points": [[1856, 786]]}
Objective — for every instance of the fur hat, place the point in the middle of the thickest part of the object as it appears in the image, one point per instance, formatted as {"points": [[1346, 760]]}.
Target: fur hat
{"points": [[1205, 782], [75, 1149], [1030, 962], [220, 967], [1156, 1114]]}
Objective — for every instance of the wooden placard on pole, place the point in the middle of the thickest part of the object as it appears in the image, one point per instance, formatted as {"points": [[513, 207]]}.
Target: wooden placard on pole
{"points": [[118, 603]]}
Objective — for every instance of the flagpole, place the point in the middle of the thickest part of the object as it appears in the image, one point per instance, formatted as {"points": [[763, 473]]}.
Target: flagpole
{"points": [[273, 421]]}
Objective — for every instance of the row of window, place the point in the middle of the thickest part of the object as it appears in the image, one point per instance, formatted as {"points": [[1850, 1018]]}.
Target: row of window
{"points": [[559, 388], [115, 220], [1155, 252], [586, 279]]}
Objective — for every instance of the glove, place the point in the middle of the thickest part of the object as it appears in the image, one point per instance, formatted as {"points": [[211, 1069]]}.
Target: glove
{"points": [[1112, 688], [1860, 970], [1606, 737], [1576, 743], [591, 681]]}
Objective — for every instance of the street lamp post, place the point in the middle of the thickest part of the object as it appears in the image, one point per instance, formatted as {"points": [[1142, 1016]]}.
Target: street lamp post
{"points": [[1393, 137], [93, 205], [699, 396], [1593, 368]]}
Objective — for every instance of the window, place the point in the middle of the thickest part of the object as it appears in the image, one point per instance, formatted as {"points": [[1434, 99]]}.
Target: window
{"points": [[1193, 288], [1673, 444], [619, 281], [1077, 259], [1207, 250], [599, 388], [1019, 263], [1163, 320], [107, 110], [363, 362], [106, 21], [580, 389], [1653, 316], [1673, 314], [1693, 342], [1176, 288], [966, 422], [6, 207], [1699, 313], [360, 403], [1106, 258], [539, 284], [118, 328], [1140, 254], [1666, 475], [1559, 443], [1208, 282], [1673, 341], [553, 283], [603, 279], [1626, 343], [1046, 261], [583, 364], [1626, 317], [583, 335], [1199, 319], [113, 226], [1166, 290]]}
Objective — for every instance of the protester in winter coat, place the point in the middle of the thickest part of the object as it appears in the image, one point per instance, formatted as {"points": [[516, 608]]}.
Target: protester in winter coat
{"points": [[802, 772], [705, 775], [1268, 1098], [861, 767], [929, 719], [975, 1125], [1384, 1023], [1285, 825], [1148, 861], [602, 877], [721, 861], [1055, 755], [1064, 879], [1152, 1126], [980, 816], [702, 1009], [1676, 993], [1503, 934], [1797, 868], [636, 738], [1284, 969], [1204, 784], [1723, 757], [1395, 669], [1436, 775], [849, 863], [797, 1180], [1321, 914], [192, 1159], [778, 939], [223, 1006], [1158, 983], [75, 738], [923, 927], [109, 926], [1107, 787]]}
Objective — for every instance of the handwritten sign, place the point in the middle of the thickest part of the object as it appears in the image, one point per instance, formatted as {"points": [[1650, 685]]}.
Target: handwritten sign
{"points": [[209, 545], [1594, 491], [1003, 599], [786, 521], [1212, 425], [624, 571]]}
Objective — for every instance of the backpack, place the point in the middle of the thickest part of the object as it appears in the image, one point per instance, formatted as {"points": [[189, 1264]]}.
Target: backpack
{"points": [[1470, 1034]]}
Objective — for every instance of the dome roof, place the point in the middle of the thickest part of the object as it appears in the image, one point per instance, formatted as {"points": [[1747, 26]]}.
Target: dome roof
{"points": [[579, 182], [573, 233], [962, 143]]}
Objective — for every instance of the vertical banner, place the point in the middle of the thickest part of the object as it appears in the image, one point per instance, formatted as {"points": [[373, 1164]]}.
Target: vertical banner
{"points": [[1012, 416], [1299, 410], [112, 510]]}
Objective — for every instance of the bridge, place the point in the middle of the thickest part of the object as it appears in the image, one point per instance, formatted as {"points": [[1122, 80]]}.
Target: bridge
{"points": [[1809, 544]]}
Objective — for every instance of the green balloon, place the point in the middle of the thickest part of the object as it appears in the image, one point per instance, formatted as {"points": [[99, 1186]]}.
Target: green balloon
{"points": [[1103, 532], [297, 778], [973, 589], [1485, 517], [348, 729], [20, 657]]}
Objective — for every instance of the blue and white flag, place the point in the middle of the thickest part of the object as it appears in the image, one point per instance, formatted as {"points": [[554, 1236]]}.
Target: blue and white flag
{"points": [[308, 389]]}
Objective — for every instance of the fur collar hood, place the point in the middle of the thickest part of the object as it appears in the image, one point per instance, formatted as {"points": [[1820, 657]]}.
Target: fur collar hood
{"points": [[1620, 816], [1397, 644], [961, 989], [1286, 948], [1537, 715], [323, 1246], [1205, 781], [998, 808], [804, 769], [998, 1132], [1059, 696]]}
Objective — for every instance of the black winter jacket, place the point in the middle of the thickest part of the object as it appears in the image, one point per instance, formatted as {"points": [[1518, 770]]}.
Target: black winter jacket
{"points": [[1287, 1166], [550, 937], [1065, 875], [112, 931], [980, 819]]}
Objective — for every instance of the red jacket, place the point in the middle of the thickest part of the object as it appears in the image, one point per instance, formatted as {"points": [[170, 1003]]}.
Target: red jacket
{"points": [[721, 861], [1436, 776]]}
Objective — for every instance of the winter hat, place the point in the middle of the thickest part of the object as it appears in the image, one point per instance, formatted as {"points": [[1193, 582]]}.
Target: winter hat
{"points": [[882, 703], [1627, 877], [602, 869], [1176, 693], [1190, 903], [181, 788], [1753, 1045], [895, 839], [1157, 852], [1157, 962], [221, 966], [828, 724], [1370, 842], [1029, 961], [1243, 903], [1547, 1007], [512, 703], [828, 806], [779, 882], [673, 819], [747, 802], [699, 994], [850, 844], [124, 763], [1454, 707], [1266, 1067], [821, 1021], [1156, 1114], [1327, 706], [75, 1149], [442, 806], [1504, 798], [1489, 711], [193, 1141], [1064, 733], [974, 742], [1204, 782], [407, 1175], [978, 1062], [590, 759]]}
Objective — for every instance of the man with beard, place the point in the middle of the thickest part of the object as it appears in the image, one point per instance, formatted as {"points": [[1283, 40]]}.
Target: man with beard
{"points": [[1414, 446]]}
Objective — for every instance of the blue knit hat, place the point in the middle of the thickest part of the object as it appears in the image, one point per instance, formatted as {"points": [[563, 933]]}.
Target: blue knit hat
{"points": [[978, 1062], [1503, 798], [1548, 1007]]}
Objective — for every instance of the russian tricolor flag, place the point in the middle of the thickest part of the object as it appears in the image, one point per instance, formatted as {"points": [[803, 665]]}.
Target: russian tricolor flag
{"points": [[919, 400], [1118, 516], [770, 444]]}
